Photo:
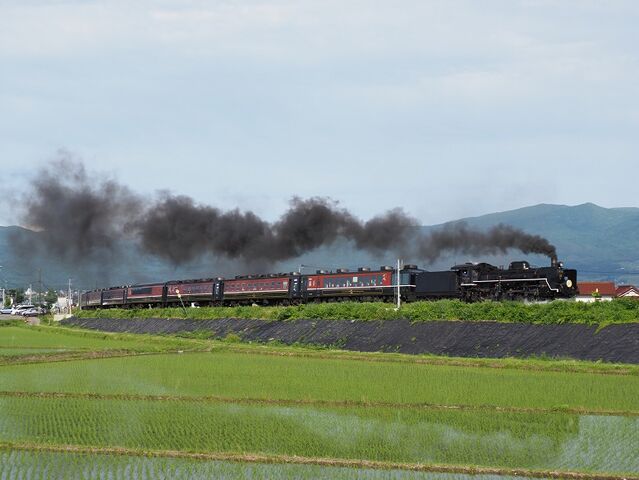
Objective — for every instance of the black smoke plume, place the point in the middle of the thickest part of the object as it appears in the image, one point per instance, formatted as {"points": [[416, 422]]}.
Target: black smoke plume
{"points": [[81, 216], [180, 230], [77, 214], [458, 237]]}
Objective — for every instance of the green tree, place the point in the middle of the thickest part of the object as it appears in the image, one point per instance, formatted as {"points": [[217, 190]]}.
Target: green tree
{"points": [[50, 297], [17, 294]]}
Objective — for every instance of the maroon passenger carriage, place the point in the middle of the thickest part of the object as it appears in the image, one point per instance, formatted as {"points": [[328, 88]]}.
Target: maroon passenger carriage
{"points": [[108, 297], [265, 289], [91, 299], [361, 285], [202, 292], [113, 297], [149, 294], [271, 289]]}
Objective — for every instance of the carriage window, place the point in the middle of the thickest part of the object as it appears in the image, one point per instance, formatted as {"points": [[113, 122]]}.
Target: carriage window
{"points": [[141, 291]]}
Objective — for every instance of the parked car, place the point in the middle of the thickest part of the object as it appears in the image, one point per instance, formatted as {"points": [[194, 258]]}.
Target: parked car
{"points": [[6, 311], [32, 312], [18, 309]]}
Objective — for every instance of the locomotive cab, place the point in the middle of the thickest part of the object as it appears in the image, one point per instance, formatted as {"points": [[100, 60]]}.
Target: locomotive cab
{"points": [[407, 279], [519, 265], [466, 272]]}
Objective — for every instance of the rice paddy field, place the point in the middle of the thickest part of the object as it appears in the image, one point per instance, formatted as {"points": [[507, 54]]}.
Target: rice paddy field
{"points": [[78, 404]]}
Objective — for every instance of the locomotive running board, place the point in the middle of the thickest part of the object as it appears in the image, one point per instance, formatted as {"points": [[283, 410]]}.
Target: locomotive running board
{"points": [[513, 280]]}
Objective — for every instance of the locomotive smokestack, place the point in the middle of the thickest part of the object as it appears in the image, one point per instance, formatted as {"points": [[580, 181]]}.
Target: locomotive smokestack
{"points": [[553, 261]]}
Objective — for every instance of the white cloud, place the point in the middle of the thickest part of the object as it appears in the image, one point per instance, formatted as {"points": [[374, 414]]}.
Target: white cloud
{"points": [[350, 87]]}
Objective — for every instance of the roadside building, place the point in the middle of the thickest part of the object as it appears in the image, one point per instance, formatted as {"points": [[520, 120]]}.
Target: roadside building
{"points": [[596, 291], [61, 305], [627, 291]]}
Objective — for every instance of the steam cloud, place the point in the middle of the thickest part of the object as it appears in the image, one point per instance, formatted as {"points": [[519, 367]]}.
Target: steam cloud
{"points": [[80, 216]]}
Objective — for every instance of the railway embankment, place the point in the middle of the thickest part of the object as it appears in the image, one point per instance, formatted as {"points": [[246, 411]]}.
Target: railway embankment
{"points": [[485, 339]]}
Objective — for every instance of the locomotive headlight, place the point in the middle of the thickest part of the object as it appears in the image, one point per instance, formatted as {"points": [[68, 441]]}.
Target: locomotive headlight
{"points": [[569, 283]]}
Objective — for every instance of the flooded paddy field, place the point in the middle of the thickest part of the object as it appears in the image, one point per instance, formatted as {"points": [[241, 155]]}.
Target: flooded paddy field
{"points": [[196, 408]]}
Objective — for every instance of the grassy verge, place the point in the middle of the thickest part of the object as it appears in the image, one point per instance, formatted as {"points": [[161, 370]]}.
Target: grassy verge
{"points": [[539, 364], [13, 322], [44, 337], [22, 344], [558, 312]]}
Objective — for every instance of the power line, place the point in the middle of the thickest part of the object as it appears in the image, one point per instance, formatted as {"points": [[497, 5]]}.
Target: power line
{"points": [[617, 272]]}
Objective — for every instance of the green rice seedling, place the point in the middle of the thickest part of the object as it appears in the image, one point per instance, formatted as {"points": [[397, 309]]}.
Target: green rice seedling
{"points": [[248, 375], [510, 440], [38, 465]]}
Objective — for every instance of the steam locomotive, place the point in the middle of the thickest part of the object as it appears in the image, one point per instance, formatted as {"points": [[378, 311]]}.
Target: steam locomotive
{"points": [[469, 282]]}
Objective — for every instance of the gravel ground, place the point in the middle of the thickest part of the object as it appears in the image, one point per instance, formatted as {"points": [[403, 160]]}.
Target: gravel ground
{"points": [[614, 343]]}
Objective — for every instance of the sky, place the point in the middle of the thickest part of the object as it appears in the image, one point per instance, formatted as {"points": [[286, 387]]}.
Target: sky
{"points": [[447, 108]]}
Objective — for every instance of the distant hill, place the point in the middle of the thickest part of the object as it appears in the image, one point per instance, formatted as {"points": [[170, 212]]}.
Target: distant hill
{"points": [[602, 243]]}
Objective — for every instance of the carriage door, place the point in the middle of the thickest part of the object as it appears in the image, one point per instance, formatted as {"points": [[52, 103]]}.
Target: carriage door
{"points": [[295, 289], [217, 291]]}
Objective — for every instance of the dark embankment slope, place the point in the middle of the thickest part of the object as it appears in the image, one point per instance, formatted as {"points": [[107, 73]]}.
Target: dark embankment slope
{"points": [[614, 343]]}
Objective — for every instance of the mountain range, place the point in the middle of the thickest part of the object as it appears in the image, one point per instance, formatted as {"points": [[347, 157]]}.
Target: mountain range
{"points": [[601, 243]]}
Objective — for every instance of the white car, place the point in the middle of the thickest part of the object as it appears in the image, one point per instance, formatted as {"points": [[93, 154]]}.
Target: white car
{"points": [[32, 312], [6, 311], [18, 309]]}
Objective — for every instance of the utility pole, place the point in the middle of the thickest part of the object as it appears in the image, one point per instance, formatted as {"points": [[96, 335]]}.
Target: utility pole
{"points": [[3, 289], [69, 298], [39, 286], [399, 296]]}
